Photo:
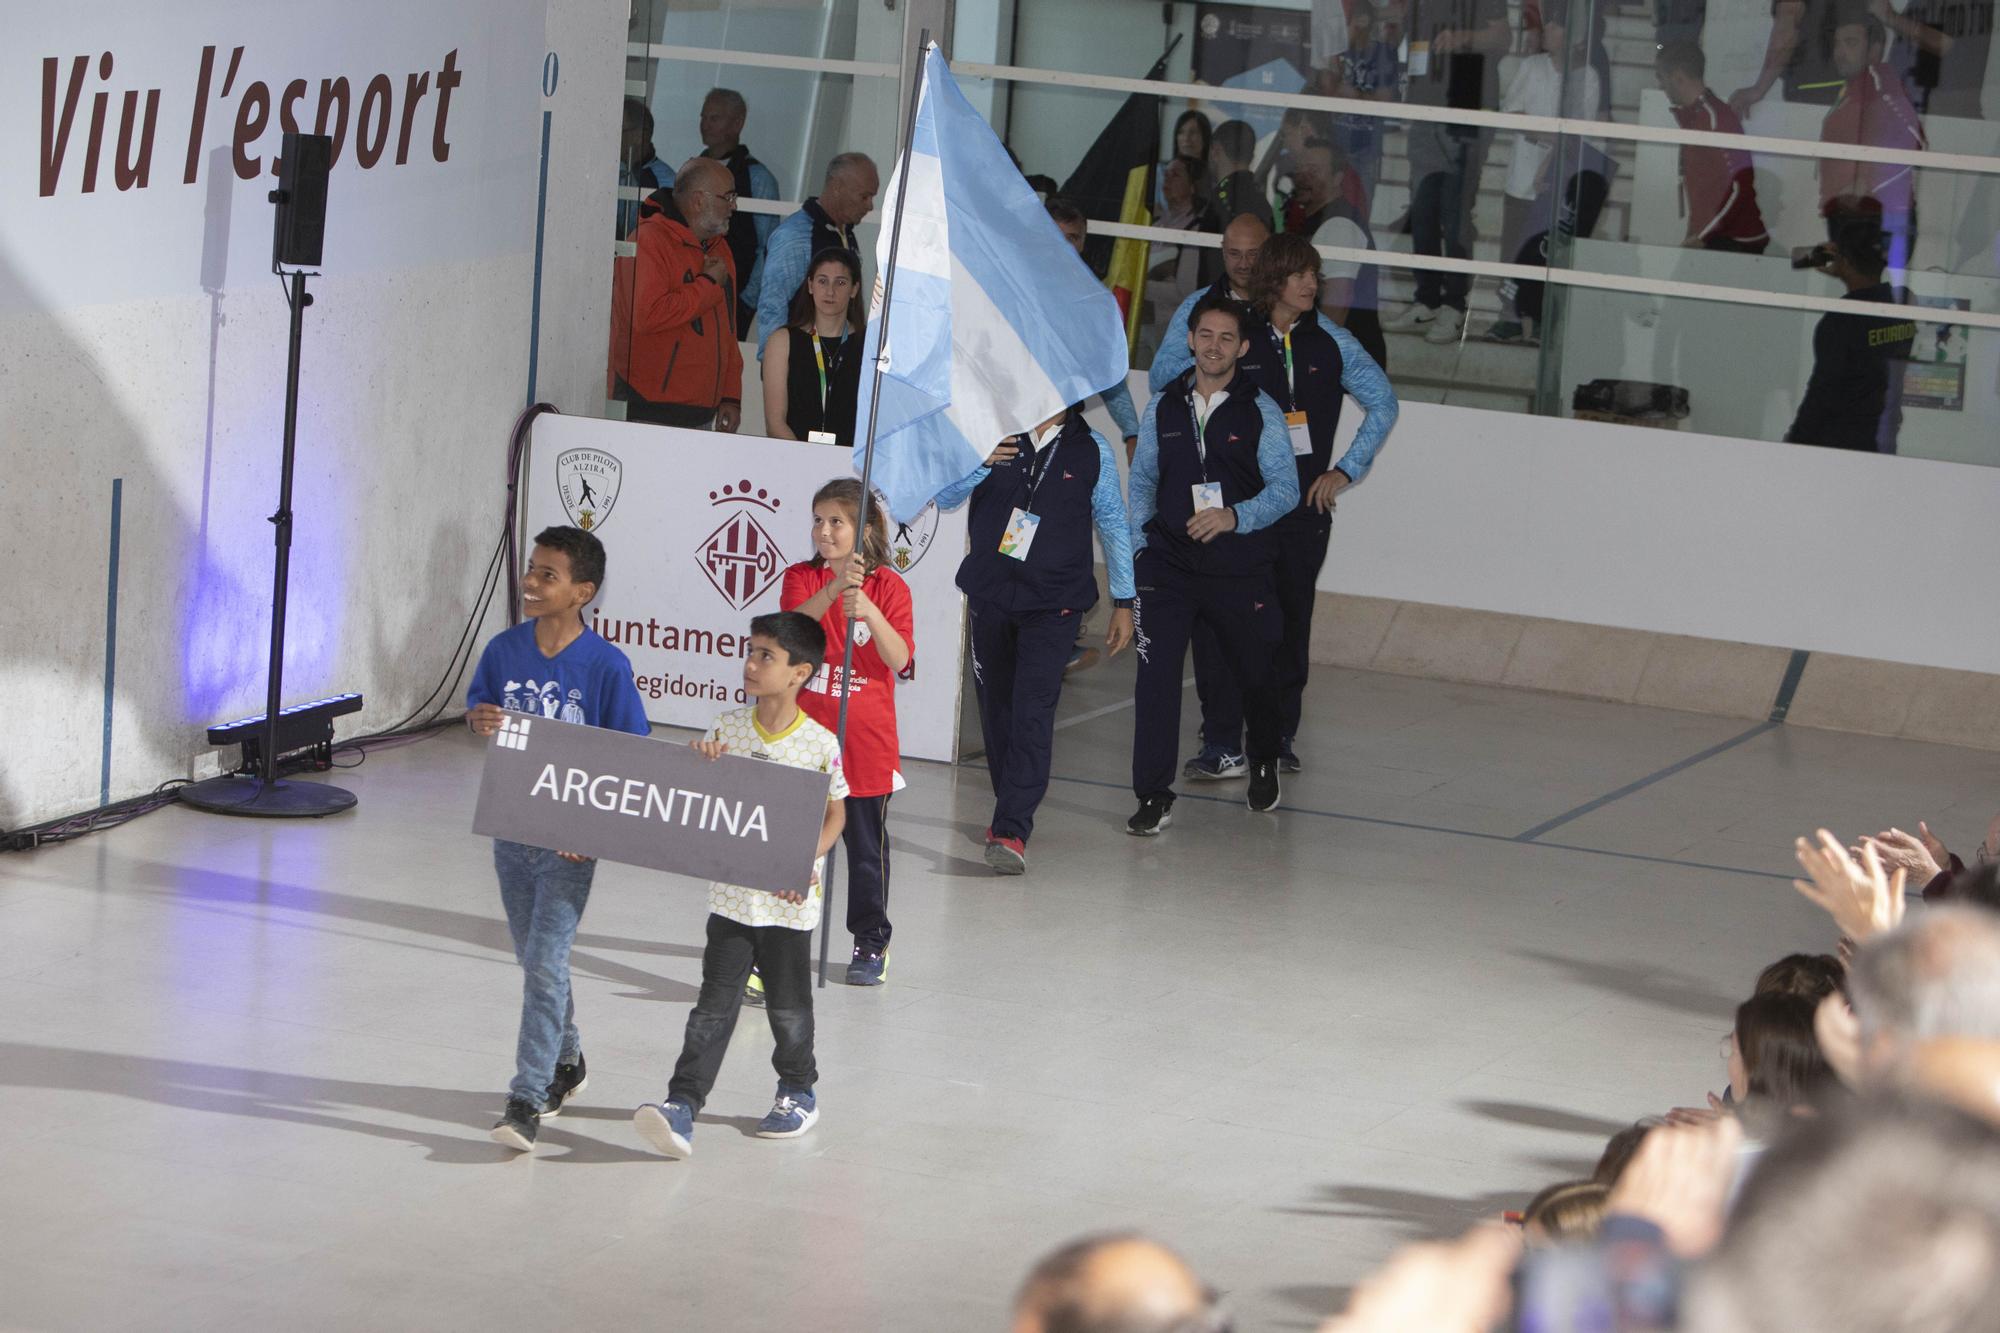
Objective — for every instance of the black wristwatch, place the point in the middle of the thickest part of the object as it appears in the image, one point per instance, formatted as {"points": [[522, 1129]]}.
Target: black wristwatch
{"points": [[1123, 603]]}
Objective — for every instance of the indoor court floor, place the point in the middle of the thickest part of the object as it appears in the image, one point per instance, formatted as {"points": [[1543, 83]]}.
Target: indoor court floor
{"points": [[247, 1069]]}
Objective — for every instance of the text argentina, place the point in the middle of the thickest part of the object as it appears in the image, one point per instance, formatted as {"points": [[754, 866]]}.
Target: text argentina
{"points": [[643, 800]]}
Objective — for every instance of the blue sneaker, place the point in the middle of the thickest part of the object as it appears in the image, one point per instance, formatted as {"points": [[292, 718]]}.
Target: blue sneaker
{"points": [[867, 969], [790, 1116], [668, 1126], [1215, 764]]}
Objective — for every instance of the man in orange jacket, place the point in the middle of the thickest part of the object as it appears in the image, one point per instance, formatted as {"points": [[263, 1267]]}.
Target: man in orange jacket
{"points": [[674, 355]]}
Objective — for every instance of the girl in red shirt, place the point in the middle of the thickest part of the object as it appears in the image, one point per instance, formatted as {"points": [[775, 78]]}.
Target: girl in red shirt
{"points": [[842, 581]]}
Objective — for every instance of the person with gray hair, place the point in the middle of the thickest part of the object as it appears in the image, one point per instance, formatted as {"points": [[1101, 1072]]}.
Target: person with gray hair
{"points": [[1883, 1217], [1935, 976], [674, 352], [723, 113], [826, 222], [1120, 1283]]}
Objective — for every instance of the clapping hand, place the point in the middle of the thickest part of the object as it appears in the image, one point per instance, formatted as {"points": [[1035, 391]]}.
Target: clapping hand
{"points": [[1908, 853], [1863, 899], [1442, 1287], [1699, 1115]]}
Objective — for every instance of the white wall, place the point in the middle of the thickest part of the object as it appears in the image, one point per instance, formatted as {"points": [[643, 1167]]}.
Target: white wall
{"points": [[132, 349], [1784, 545]]}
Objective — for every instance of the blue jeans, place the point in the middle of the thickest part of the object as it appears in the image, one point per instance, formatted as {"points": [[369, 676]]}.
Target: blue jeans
{"points": [[544, 896]]}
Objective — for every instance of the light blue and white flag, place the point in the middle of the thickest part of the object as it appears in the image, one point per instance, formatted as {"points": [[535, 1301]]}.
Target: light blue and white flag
{"points": [[997, 325]]}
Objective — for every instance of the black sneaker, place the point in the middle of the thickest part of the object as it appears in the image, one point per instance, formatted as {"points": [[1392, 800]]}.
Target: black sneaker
{"points": [[1154, 814], [1288, 760], [569, 1080], [868, 968], [1263, 784], [516, 1128]]}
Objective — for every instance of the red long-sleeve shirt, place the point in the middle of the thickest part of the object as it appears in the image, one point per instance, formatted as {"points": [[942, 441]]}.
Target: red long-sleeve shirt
{"points": [[1721, 184]]}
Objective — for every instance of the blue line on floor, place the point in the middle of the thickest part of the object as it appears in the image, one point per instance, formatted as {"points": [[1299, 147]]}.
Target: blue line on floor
{"points": [[1795, 671], [1439, 828], [1680, 767]]}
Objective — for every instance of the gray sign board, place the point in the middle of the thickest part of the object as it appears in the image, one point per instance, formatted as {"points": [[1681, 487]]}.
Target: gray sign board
{"points": [[621, 797]]}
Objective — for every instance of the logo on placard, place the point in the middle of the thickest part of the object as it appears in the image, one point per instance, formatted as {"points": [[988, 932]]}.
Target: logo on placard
{"points": [[1210, 25], [513, 733], [909, 541], [587, 480], [740, 558]]}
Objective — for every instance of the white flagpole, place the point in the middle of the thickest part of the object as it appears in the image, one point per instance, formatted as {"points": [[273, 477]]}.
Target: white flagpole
{"points": [[868, 459]]}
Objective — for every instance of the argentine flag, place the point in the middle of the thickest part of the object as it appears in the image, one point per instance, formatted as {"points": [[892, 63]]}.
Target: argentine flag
{"points": [[996, 324]]}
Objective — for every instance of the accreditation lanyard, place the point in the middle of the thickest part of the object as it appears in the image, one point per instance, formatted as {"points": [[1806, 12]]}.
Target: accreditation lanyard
{"points": [[1200, 431], [1284, 348], [819, 356], [1035, 475]]}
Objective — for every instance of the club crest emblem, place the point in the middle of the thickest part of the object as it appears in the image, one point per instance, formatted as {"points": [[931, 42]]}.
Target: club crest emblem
{"points": [[587, 480], [740, 558], [909, 541]]}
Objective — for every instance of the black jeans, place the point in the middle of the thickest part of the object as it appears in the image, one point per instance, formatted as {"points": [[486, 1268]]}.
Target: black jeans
{"points": [[866, 838], [783, 957], [640, 408], [1445, 162]]}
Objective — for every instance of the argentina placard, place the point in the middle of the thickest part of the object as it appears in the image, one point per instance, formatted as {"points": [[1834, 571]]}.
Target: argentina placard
{"points": [[620, 797]]}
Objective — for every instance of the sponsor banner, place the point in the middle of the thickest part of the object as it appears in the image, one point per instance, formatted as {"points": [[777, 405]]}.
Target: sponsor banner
{"points": [[621, 797], [144, 138], [698, 529]]}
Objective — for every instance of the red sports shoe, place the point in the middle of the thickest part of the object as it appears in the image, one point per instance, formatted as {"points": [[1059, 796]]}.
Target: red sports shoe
{"points": [[1008, 856]]}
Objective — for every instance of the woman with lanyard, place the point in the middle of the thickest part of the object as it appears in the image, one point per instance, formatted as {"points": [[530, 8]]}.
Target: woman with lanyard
{"points": [[1028, 577], [812, 375], [1308, 366]]}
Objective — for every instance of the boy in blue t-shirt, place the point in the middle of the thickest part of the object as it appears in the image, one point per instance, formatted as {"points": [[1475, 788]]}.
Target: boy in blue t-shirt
{"points": [[549, 665]]}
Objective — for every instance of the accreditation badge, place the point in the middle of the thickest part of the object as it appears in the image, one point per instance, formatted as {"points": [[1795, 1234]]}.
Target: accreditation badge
{"points": [[1020, 534], [1207, 495], [1295, 426]]}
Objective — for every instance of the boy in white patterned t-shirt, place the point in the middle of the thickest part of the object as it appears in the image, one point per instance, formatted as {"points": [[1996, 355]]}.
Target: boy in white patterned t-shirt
{"points": [[752, 927]]}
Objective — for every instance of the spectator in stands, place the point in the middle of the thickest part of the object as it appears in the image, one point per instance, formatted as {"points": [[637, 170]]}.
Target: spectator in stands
{"points": [[1578, 178], [1618, 1150], [1718, 185], [1883, 1217], [1935, 977], [1854, 398], [1776, 1069], [1298, 128], [1192, 135], [723, 113], [1349, 288], [1798, 55], [1942, 48], [1809, 976], [1368, 70], [674, 356], [826, 221], [1455, 48], [812, 375], [1174, 271], [1229, 157], [1114, 1284], [1874, 109], [639, 166]]}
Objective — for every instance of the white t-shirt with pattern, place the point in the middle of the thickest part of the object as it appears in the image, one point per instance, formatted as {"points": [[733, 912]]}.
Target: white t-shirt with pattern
{"points": [[804, 744]]}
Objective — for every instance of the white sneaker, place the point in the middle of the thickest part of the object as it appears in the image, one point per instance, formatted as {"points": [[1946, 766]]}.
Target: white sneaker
{"points": [[1414, 320], [1446, 327]]}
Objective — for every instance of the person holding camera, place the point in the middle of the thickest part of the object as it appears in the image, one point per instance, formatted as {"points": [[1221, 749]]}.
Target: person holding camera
{"points": [[1854, 398]]}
